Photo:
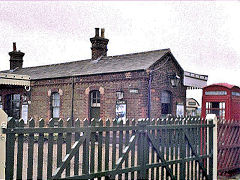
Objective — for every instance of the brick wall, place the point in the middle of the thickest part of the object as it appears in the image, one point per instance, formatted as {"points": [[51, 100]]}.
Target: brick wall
{"points": [[161, 82], [107, 84], [41, 98]]}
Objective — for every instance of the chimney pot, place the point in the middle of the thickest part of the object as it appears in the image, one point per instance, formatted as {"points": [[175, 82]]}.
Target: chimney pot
{"points": [[14, 46], [102, 32], [96, 32]]}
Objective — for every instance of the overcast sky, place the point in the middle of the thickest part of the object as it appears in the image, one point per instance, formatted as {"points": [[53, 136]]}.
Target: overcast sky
{"points": [[203, 36]]}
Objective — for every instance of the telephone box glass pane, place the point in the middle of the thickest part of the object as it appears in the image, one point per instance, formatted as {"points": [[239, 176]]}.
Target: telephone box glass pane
{"points": [[217, 108]]}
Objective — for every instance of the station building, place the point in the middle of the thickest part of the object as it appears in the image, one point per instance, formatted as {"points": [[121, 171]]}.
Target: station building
{"points": [[139, 85]]}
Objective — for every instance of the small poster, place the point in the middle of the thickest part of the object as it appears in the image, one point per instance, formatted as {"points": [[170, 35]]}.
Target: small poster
{"points": [[121, 111], [25, 113], [180, 110]]}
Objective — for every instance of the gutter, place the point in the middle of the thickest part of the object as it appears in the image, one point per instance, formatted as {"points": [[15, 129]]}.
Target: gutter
{"points": [[149, 94], [72, 107]]}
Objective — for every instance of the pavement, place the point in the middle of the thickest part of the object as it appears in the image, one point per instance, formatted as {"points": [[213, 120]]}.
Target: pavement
{"points": [[235, 177]]}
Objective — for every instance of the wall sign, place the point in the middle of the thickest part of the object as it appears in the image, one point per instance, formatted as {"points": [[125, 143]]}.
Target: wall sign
{"points": [[180, 110], [25, 113], [217, 93], [134, 91], [235, 93], [121, 111], [192, 103]]}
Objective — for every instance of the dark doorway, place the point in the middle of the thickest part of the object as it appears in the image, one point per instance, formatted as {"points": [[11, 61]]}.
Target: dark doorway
{"points": [[12, 105]]}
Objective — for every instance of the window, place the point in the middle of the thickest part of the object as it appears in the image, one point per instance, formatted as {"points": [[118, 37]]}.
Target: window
{"points": [[166, 102], [95, 99], [217, 108], [55, 106], [12, 105]]}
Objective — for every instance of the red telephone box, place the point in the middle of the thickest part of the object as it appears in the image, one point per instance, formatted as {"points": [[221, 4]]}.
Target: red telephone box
{"points": [[221, 99]]}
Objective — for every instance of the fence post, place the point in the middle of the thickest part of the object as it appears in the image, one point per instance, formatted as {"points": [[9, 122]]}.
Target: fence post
{"points": [[141, 149], [182, 155], [212, 144], [3, 123], [10, 146]]}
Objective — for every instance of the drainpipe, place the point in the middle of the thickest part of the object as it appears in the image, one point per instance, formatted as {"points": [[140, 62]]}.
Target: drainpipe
{"points": [[149, 94], [72, 101]]}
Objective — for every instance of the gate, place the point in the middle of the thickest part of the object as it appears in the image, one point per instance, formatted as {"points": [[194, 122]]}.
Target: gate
{"points": [[228, 147], [147, 149]]}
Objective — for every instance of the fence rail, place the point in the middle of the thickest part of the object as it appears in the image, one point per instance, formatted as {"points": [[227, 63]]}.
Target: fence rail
{"points": [[175, 148]]}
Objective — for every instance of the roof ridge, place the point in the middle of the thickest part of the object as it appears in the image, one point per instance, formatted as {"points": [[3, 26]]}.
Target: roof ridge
{"points": [[167, 49], [69, 62]]}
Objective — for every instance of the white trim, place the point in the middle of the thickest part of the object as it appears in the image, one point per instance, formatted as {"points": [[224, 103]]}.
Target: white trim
{"points": [[14, 79], [3, 124], [194, 81], [213, 117]]}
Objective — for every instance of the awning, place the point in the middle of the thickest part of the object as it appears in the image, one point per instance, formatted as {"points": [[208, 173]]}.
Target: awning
{"points": [[14, 79], [194, 81]]}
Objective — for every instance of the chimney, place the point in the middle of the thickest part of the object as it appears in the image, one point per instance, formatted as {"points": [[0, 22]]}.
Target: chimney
{"points": [[99, 44], [16, 58]]}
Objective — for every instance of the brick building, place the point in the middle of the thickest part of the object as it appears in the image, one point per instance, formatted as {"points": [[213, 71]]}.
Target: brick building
{"points": [[138, 85]]}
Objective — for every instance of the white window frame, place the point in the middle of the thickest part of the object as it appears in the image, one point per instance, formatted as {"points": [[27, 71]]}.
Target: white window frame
{"points": [[55, 105], [95, 101]]}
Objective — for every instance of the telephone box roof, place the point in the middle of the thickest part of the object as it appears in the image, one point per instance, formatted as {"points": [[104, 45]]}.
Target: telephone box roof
{"points": [[229, 86]]}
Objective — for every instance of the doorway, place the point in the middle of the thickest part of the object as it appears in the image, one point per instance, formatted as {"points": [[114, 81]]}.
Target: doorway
{"points": [[95, 104], [12, 105]]}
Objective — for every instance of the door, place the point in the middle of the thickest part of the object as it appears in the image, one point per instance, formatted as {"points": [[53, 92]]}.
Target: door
{"points": [[12, 105], [95, 105]]}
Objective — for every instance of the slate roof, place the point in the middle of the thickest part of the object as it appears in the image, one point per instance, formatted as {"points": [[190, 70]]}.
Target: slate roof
{"points": [[108, 64]]}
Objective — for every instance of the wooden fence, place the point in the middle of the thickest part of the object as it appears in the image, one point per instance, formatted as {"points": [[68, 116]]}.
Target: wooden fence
{"points": [[146, 149], [228, 146]]}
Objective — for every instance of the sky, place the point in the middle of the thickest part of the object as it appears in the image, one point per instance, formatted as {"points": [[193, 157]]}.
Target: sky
{"points": [[203, 36]]}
